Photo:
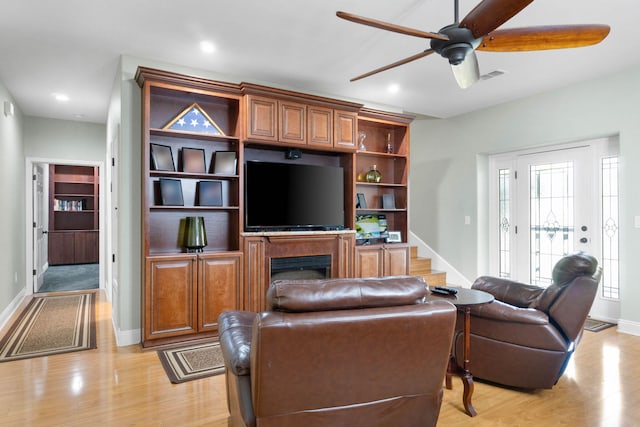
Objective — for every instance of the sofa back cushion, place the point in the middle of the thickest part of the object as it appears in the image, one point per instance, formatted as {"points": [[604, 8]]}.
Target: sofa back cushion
{"points": [[341, 294]]}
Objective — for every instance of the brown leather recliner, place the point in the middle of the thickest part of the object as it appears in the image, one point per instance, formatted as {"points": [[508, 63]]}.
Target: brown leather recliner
{"points": [[526, 336], [338, 352]]}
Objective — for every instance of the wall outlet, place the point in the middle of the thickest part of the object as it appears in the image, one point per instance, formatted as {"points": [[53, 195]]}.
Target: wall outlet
{"points": [[467, 220], [636, 221]]}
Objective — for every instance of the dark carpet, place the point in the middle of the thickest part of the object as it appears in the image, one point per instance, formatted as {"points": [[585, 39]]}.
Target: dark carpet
{"points": [[71, 278]]}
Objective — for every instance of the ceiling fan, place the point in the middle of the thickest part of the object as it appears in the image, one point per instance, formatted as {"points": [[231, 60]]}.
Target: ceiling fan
{"points": [[478, 30]]}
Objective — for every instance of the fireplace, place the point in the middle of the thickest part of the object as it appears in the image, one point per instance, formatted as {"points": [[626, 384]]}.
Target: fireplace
{"points": [[301, 267]]}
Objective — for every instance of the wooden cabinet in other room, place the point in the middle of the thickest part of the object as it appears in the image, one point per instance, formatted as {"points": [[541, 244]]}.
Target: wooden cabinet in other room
{"points": [[73, 247], [382, 260]]}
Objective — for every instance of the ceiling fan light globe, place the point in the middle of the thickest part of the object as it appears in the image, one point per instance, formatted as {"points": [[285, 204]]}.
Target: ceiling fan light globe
{"points": [[467, 72]]}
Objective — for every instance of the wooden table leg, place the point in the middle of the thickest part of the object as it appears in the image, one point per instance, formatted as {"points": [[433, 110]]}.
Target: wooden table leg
{"points": [[467, 378]]}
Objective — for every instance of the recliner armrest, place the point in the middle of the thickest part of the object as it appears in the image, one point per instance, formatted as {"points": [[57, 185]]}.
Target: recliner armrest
{"points": [[508, 291], [503, 312], [236, 331]]}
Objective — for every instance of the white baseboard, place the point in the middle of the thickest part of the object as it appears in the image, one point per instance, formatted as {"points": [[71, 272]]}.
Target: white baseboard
{"points": [[11, 308], [124, 338], [629, 327], [454, 277]]}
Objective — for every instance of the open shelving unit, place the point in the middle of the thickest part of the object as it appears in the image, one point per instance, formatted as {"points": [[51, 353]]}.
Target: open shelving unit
{"points": [[73, 214], [184, 292]]}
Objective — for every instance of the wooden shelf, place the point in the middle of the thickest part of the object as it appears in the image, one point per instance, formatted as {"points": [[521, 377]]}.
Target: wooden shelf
{"points": [[191, 135]]}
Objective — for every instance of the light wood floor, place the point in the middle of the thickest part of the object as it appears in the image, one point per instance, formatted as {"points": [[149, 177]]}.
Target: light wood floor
{"points": [[125, 386]]}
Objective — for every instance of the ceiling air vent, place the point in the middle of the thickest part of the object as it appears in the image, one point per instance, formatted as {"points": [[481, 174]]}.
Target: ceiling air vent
{"points": [[492, 74]]}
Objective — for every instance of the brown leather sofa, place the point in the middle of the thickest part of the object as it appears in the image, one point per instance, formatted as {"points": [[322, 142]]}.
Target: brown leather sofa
{"points": [[338, 352], [526, 336]]}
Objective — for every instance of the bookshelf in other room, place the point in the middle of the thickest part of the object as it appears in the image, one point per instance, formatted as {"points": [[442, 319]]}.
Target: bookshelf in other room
{"points": [[73, 214]]}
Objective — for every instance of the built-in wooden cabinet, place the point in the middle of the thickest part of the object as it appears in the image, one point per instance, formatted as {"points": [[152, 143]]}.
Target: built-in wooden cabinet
{"points": [[184, 292], [382, 260], [73, 214], [289, 118]]}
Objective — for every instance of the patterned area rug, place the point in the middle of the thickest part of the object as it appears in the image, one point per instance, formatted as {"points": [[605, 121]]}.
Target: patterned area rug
{"points": [[192, 362], [596, 325], [51, 325]]}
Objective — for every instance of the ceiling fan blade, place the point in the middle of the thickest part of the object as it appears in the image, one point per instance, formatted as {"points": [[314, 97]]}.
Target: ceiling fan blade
{"points": [[467, 72], [544, 38], [490, 14], [390, 27], [395, 64]]}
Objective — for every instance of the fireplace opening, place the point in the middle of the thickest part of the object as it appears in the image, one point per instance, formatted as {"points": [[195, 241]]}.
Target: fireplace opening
{"points": [[303, 267]]}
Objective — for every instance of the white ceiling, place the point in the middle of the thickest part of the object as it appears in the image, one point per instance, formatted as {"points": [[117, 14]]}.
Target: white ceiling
{"points": [[73, 46]]}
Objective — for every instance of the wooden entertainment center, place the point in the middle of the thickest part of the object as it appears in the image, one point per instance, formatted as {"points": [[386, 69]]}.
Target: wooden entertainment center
{"points": [[184, 292]]}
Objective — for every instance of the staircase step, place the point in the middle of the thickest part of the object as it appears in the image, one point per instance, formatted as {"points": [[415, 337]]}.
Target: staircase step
{"points": [[435, 278], [422, 264], [422, 267]]}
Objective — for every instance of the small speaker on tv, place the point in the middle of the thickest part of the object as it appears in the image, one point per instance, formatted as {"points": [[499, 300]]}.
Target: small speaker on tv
{"points": [[293, 154]]}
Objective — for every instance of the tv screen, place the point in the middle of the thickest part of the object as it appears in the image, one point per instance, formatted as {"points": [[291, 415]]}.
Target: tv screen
{"points": [[286, 196]]}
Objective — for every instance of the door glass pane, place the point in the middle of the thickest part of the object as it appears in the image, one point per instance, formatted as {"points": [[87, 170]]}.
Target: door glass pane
{"points": [[551, 217], [504, 216], [610, 283]]}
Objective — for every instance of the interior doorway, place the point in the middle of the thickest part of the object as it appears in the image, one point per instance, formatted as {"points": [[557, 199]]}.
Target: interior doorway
{"points": [[66, 232]]}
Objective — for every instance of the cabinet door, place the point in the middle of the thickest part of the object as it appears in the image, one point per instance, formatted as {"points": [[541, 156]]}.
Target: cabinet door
{"points": [[293, 122], [86, 247], [345, 129], [320, 126], [170, 299], [262, 120], [218, 288], [396, 260], [61, 248], [345, 255], [369, 261]]}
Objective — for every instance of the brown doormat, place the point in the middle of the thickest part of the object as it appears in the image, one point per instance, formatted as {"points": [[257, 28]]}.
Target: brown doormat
{"points": [[51, 325], [192, 362], [596, 325]]}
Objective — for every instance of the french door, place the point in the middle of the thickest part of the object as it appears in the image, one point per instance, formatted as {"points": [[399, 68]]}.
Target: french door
{"points": [[554, 210], [549, 203]]}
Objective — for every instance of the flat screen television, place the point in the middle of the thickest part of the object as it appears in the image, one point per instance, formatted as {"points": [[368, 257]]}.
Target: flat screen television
{"points": [[289, 197]]}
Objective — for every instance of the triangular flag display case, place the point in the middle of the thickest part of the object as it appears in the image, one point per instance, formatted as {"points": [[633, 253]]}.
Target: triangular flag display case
{"points": [[194, 119]]}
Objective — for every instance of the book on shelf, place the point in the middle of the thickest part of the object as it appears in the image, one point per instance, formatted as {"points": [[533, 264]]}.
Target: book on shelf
{"points": [[62, 205]]}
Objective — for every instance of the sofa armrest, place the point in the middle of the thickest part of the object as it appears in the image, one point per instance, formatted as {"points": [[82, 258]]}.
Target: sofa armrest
{"points": [[508, 291], [235, 331], [503, 312]]}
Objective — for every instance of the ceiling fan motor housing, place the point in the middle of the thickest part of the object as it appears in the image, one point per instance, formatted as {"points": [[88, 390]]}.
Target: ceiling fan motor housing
{"points": [[460, 43]]}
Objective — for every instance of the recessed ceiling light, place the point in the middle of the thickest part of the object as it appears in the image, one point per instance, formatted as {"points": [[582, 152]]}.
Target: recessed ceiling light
{"points": [[61, 97], [394, 88], [207, 47]]}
